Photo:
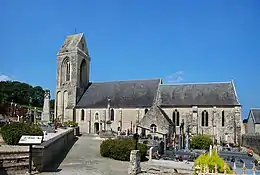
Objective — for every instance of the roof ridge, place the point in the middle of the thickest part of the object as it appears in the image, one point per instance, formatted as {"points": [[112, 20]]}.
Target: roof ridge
{"points": [[220, 82], [255, 108], [82, 33], [126, 80]]}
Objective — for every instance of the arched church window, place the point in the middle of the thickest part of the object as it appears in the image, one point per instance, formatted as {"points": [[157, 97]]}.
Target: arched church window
{"points": [[82, 114], [112, 115], [96, 116], [223, 118], [153, 128], [176, 117], [145, 111], [83, 72], [67, 71], [205, 118]]}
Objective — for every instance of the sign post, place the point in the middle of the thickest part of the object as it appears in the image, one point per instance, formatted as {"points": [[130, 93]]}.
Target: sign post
{"points": [[30, 140]]}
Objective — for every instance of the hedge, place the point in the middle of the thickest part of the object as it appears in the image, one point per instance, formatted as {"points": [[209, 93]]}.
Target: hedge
{"points": [[120, 149], [201, 142], [12, 132]]}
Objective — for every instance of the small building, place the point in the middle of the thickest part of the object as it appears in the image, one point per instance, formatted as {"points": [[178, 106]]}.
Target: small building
{"points": [[253, 123]]}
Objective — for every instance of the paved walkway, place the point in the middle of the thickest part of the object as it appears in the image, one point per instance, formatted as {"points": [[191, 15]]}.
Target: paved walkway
{"points": [[84, 158]]}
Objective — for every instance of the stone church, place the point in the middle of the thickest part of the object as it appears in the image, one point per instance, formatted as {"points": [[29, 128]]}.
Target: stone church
{"points": [[205, 108]]}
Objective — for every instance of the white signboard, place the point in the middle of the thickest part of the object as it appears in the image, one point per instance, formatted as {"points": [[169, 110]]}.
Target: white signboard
{"points": [[30, 140]]}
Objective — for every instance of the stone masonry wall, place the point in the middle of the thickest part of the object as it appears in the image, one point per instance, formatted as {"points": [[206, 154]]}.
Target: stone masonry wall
{"points": [[193, 117], [43, 154], [252, 141], [124, 117]]}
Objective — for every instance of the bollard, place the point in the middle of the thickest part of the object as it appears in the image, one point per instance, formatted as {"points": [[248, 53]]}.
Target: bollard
{"points": [[234, 168], [150, 153], [225, 168], [134, 166], [210, 150], [253, 169], [216, 169], [244, 168]]}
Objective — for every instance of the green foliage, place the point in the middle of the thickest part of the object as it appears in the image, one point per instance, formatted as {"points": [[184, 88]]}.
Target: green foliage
{"points": [[245, 120], [72, 123], [21, 93], [149, 136], [205, 160], [120, 149], [12, 132], [201, 142], [52, 102]]}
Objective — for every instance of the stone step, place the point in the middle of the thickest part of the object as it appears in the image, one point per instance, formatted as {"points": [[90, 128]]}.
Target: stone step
{"points": [[14, 157], [15, 165]]}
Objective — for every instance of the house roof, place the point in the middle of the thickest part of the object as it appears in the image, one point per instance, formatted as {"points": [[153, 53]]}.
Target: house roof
{"points": [[123, 94], [216, 94], [71, 42], [256, 114]]}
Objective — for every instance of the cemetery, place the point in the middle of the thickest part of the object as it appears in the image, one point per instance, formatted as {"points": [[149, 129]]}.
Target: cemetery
{"points": [[16, 153], [192, 155]]}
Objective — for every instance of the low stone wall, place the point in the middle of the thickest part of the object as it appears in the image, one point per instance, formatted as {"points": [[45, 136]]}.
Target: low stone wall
{"points": [[252, 141], [43, 154]]}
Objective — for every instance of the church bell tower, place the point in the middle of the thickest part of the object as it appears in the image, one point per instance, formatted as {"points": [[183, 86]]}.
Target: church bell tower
{"points": [[73, 64]]}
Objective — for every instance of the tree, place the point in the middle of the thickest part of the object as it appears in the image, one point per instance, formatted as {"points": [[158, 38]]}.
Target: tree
{"points": [[245, 120], [52, 101], [21, 93], [38, 96]]}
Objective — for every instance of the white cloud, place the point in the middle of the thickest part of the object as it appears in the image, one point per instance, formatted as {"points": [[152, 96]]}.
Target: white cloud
{"points": [[4, 78], [176, 77]]}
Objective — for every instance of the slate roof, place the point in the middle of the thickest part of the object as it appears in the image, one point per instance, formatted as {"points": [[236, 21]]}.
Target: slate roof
{"points": [[123, 94], [71, 43], [256, 114], [216, 94]]}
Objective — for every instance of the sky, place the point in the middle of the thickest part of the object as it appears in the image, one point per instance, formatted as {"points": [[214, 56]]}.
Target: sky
{"points": [[183, 41]]}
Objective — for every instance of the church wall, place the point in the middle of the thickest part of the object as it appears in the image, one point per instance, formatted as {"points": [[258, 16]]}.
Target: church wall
{"points": [[122, 118], [257, 128], [232, 116], [250, 125]]}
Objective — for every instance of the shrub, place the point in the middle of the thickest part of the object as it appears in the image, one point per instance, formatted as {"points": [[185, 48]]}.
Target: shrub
{"points": [[205, 160], [120, 149], [201, 142], [149, 136], [12, 132], [72, 123]]}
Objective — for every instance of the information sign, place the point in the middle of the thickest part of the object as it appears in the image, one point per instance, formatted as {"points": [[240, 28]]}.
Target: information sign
{"points": [[30, 140]]}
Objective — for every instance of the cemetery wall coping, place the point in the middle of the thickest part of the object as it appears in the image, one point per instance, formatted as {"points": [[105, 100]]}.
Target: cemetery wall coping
{"points": [[52, 140]]}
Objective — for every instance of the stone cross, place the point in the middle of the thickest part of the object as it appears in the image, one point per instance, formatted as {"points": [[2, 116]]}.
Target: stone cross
{"points": [[46, 115]]}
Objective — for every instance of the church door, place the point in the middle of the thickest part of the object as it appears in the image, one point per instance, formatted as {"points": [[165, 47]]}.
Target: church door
{"points": [[96, 128]]}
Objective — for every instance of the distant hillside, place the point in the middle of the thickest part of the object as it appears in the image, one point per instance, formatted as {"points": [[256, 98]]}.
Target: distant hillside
{"points": [[21, 93]]}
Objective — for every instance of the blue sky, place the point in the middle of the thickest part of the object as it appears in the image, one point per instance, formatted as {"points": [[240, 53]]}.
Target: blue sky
{"points": [[180, 41]]}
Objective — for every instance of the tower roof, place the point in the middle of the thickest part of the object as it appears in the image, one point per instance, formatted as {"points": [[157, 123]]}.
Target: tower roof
{"points": [[71, 42]]}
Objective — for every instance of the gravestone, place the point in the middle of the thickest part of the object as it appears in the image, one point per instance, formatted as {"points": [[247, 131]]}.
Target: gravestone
{"points": [[134, 166], [46, 115]]}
